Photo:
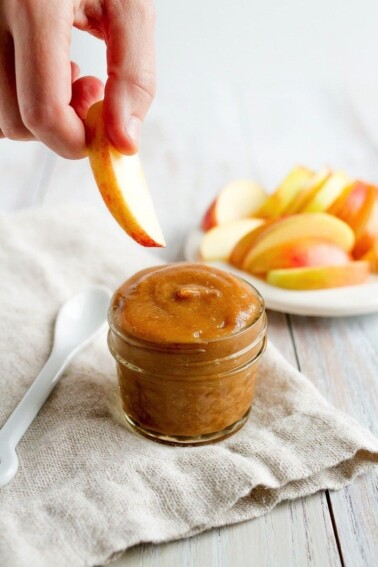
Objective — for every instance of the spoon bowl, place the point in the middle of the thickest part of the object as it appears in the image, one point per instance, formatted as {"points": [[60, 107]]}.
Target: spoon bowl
{"points": [[78, 321]]}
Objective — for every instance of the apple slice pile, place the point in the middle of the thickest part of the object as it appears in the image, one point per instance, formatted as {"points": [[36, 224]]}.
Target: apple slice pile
{"points": [[317, 230], [122, 184]]}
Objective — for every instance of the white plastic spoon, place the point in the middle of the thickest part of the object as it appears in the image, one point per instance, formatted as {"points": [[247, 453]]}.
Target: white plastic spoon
{"points": [[78, 321]]}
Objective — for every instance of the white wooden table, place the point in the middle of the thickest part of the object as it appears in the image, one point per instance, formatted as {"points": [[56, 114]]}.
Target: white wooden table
{"points": [[205, 130]]}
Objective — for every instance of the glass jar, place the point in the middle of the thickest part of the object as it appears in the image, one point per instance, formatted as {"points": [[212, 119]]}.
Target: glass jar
{"points": [[189, 393]]}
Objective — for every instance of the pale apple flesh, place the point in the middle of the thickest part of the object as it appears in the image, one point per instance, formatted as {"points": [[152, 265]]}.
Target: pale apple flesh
{"points": [[218, 242], [276, 203], [313, 185], [237, 200], [300, 253], [243, 246], [327, 193], [320, 277], [122, 184]]}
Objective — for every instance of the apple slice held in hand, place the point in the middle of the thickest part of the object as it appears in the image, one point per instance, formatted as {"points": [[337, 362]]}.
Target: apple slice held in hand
{"points": [[320, 277], [237, 200], [122, 184]]}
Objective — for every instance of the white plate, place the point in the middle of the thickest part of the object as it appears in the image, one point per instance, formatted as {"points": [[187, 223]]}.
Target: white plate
{"points": [[336, 302]]}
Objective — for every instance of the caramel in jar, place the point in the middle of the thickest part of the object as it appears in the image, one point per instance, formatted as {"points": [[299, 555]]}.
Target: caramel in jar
{"points": [[187, 339]]}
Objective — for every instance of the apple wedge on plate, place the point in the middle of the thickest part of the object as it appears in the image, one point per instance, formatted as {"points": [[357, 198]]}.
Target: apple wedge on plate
{"points": [[219, 241], [237, 200], [320, 277], [122, 184]]}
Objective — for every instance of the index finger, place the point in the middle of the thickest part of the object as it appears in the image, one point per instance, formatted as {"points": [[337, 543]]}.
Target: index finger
{"points": [[42, 37]]}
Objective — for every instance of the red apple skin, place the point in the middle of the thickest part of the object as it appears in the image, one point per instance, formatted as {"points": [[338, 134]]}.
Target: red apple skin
{"points": [[358, 207], [209, 220], [299, 254], [350, 202]]}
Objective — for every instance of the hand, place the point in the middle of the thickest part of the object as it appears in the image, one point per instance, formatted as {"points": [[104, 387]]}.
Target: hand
{"points": [[41, 96]]}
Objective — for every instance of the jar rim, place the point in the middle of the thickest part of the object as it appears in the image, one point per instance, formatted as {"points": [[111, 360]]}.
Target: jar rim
{"points": [[193, 344]]}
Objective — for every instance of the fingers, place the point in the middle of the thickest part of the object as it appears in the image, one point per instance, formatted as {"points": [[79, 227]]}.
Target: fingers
{"points": [[44, 79], [129, 91], [10, 119], [85, 92], [75, 71], [36, 98], [82, 96]]}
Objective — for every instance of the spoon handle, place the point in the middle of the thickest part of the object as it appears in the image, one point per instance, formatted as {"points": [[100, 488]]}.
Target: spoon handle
{"points": [[23, 415]]}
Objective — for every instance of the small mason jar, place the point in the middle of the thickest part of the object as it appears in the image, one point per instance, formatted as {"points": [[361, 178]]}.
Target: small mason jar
{"points": [[189, 393]]}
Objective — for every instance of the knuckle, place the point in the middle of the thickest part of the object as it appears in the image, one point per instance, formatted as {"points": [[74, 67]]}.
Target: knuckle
{"points": [[40, 117], [15, 131], [144, 82]]}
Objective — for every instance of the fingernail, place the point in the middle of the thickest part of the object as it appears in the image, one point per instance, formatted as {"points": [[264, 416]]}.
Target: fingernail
{"points": [[133, 129]]}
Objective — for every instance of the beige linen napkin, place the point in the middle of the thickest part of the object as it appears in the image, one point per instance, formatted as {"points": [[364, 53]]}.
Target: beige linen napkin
{"points": [[87, 487]]}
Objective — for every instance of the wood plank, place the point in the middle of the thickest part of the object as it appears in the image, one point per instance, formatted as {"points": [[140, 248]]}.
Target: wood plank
{"points": [[299, 532], [340, 356]]}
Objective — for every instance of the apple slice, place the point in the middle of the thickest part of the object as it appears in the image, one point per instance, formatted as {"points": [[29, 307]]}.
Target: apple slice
{"points": [[306, 225], [372, 257], [300, 253], [327, 193], [306, 194], [237, 200], [320, 277], [122, 184], [366, 223], [218, 242], [349, 202], [275, 205], [243, 246], [358, 206]]}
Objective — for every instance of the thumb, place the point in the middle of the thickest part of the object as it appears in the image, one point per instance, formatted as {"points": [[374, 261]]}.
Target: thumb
{"points": [[130, 88]]}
